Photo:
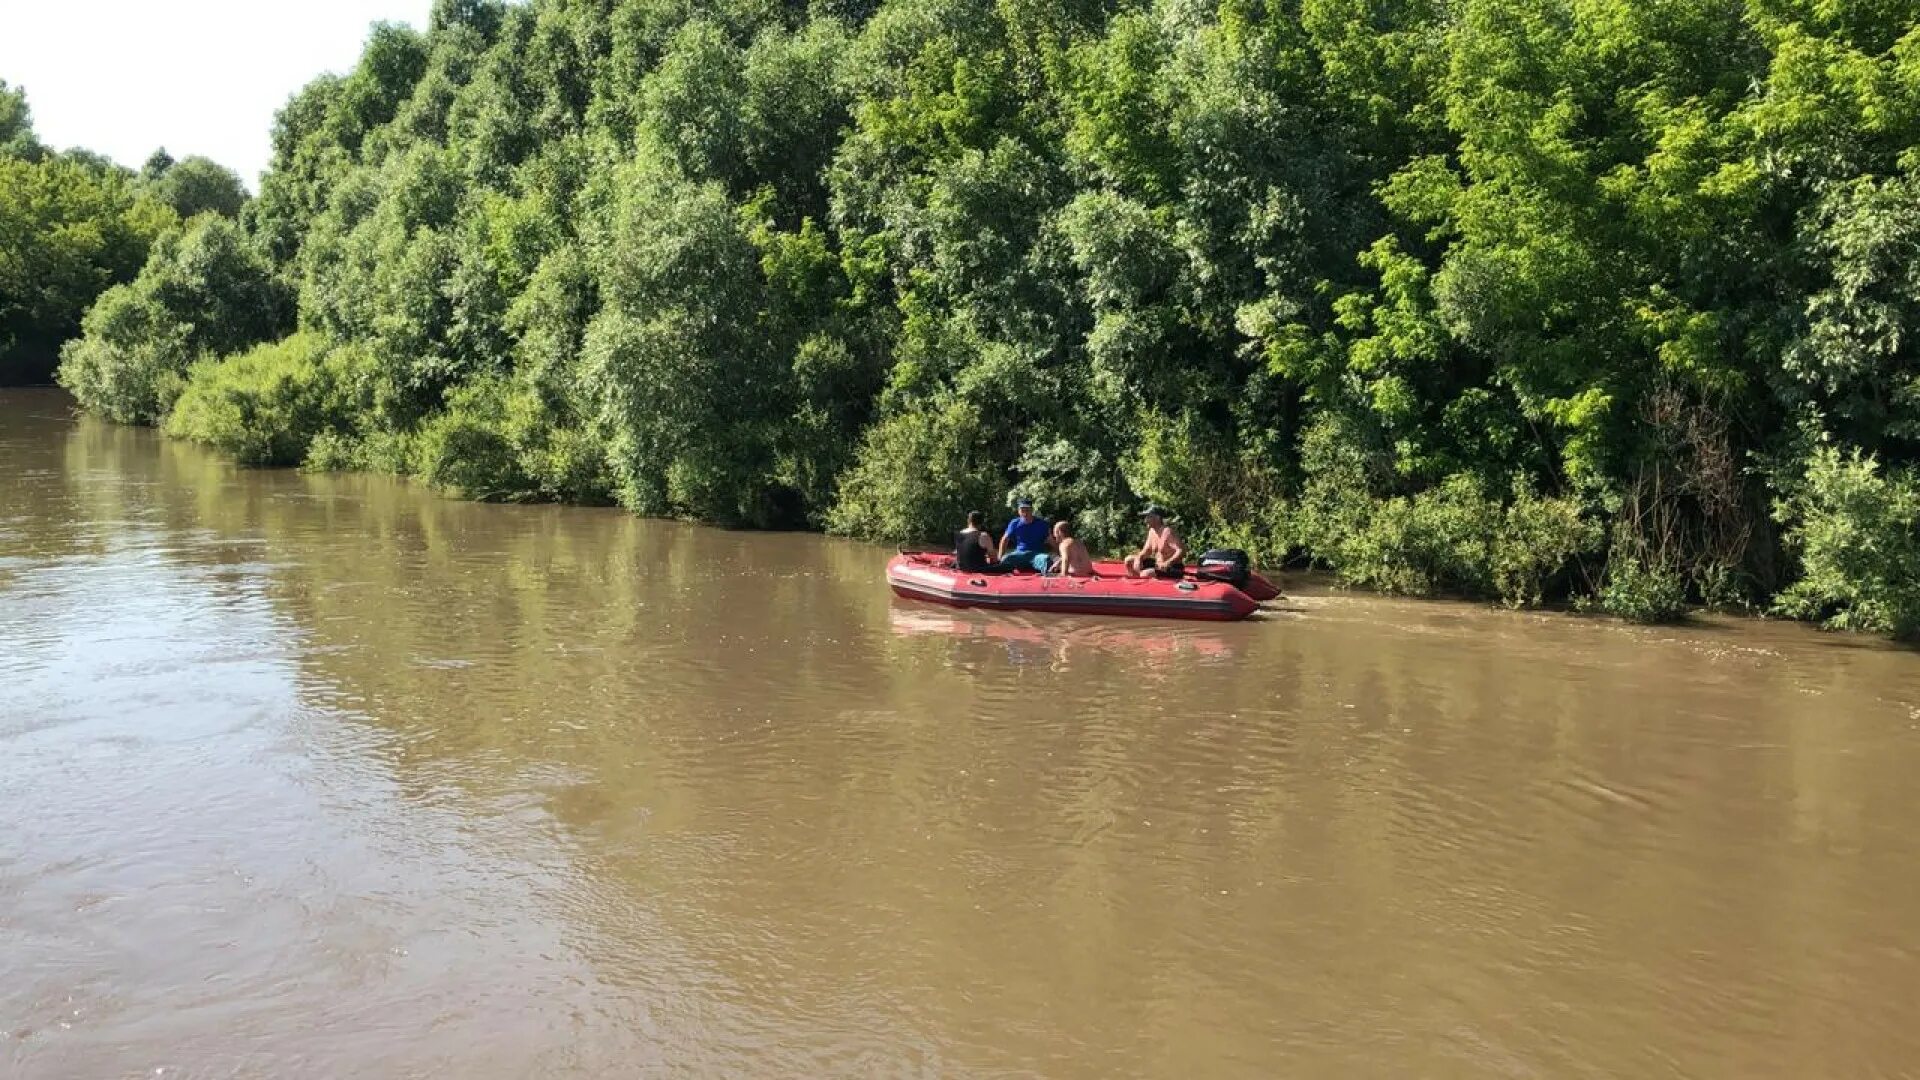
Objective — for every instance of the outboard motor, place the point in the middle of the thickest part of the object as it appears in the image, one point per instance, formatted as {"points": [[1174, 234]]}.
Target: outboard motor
{"points": [[1230, 565]]}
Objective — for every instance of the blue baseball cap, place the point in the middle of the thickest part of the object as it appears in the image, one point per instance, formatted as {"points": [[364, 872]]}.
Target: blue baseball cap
{"points": [[1023, 504]]}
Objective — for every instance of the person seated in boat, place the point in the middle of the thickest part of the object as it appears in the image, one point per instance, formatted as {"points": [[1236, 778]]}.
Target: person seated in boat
{"points": [[1070, 555], [973, 547], [1026, 535], [1164, 553]]}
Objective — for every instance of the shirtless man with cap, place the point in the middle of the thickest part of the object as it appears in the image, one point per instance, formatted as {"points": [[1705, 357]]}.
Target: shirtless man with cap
{"points": [[1162, 554]]}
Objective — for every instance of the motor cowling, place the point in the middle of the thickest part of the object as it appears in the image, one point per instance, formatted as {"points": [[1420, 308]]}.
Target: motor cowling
{"points": [[1230, 565]]}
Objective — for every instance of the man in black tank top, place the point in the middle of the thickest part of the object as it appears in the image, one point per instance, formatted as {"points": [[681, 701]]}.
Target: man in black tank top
{"points": [[973, 548]]}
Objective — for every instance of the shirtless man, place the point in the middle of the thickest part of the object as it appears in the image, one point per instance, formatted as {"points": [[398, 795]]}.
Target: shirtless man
{"points": [[1070, 557], [1161, 555]]}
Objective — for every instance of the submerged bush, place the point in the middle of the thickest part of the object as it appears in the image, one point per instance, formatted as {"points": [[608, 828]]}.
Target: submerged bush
{"points": [[1538, 540], [1857, 531], [1643, 592], [1451, 538], [265, 406], [498, 441], [131, 359], [1438, 540], [374, 451]]}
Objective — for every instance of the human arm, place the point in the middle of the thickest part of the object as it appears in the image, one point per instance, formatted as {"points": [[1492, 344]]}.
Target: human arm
{"points": [[1006, 535]]}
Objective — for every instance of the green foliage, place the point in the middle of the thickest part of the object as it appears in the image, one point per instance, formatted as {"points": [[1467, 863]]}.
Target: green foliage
{"points": [[265, 406], [205, 291], [195, 185], [916, 475], [1068, 481], [1454, 537], [131, 361], [68, 230], [498, 442], [685, 391], [17, 139], [1643, 592], [212, 281], [1537, 541], [1856, 528], [72, 224], [1856, 354], [1477, 297]]}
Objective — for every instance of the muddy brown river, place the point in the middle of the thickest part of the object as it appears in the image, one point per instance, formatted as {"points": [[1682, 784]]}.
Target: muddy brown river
{"points": [[325, 776]]}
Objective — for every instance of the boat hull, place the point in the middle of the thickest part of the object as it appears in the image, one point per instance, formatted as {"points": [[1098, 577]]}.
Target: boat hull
{"points": [[1258, 587], [931, 578]]}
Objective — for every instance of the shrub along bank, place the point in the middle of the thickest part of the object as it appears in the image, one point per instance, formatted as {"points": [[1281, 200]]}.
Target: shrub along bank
{"points": [[1524, 299]]}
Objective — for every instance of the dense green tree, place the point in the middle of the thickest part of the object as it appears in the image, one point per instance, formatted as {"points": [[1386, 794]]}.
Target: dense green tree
{"points": [[195, 185], [205, 291], [68, 230], [17, 139], [74, 223], [156, 165]]}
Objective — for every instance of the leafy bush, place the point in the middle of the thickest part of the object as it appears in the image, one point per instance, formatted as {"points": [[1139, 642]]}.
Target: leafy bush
{"points": [[196, 185], [1065, 480], [1857, 531], [69, 229], [687, 394], [217, 286], [1643, 592], [1452, 537], [1538, 539], [465, 450], [373, 451], [264, 406], [1438, 540], [917, 475], [497, 441], [131, 359], [203, 292]]}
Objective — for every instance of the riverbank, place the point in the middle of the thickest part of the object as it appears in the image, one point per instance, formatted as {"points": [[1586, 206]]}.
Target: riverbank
{"points": [[1297, 579]]}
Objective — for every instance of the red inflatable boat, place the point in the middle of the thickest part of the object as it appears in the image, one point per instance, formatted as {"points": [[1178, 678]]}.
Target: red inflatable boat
{"points": [[931, 577]]}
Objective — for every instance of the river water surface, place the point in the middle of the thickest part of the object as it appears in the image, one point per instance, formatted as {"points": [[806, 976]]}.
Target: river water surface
{"points": [[326, 776]]}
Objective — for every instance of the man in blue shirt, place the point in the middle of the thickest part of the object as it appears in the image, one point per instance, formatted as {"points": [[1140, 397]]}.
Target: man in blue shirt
{"points": [[1027, 536]]}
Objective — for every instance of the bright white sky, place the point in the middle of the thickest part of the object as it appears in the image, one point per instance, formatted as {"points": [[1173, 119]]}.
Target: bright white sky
{"points": [[123, 77]]}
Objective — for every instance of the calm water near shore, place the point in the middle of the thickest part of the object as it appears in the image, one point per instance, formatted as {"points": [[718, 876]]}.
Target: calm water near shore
{"points": [[326, 776]]}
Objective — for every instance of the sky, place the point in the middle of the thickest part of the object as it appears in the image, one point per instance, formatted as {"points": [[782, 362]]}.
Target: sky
{"points": [[124, 77]]}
